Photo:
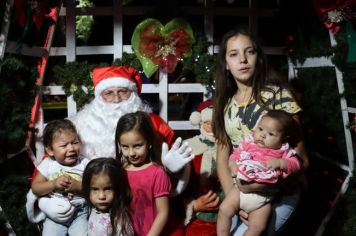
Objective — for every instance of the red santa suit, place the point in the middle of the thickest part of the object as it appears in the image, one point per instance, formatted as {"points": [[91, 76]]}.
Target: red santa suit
{"points": [[96, 122]]}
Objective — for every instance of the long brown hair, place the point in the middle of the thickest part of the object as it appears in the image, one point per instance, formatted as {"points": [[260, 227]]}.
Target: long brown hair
{"points": [[119, 211], [226, 85]]}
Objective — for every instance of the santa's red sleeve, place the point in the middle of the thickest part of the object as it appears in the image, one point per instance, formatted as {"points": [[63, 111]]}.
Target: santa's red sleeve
{"points": [[165, 132]]}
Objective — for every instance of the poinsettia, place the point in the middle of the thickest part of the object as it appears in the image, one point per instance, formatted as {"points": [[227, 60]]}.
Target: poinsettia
{"points": [[159, 46]]}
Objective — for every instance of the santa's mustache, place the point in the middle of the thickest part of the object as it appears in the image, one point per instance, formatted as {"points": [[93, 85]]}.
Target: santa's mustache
{"points": [[133, 104]]}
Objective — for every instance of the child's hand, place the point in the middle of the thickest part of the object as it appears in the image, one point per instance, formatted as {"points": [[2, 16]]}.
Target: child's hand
{"points": [[62, 183], [74, 186], [243, 216]]}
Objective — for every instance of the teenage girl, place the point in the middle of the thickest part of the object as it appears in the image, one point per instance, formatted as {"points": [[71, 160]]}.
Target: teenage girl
{"points": [[106, 189], [138, 148], [245, 91]]}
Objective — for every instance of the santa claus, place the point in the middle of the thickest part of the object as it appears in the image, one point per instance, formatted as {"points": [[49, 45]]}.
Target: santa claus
{"points": [[202, 196], [117, 90]]}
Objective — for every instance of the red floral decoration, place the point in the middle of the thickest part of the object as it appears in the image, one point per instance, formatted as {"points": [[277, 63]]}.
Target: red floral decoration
{"points": [[159, 46], [333, 12]]}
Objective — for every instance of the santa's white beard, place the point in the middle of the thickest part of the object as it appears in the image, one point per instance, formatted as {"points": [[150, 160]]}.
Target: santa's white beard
{"points": [[96, 124]]}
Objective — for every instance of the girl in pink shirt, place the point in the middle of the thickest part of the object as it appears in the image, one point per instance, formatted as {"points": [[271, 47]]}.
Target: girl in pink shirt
{"points": [[263, 157], [137, 147]]}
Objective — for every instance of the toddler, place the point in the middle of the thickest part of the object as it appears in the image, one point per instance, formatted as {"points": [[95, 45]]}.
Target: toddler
{"points": [[60, 176], [106, 189]]}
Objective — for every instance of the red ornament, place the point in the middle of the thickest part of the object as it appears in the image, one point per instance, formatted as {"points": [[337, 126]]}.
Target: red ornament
{"points": [[290, 38], [333, 12]]}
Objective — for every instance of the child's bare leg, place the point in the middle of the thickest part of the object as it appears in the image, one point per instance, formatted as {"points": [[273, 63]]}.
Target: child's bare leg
{"points": [[227, 210], [258, 220]]}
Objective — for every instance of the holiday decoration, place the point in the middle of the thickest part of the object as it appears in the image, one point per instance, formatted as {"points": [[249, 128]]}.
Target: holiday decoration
{"points": [[203, 177], [201, 63], [75, 77], [30, 11], [334, 12], [203, 113], [84, 24], [30, 16], [114, 76], [13, 188], [158, 46], [17, 93]]}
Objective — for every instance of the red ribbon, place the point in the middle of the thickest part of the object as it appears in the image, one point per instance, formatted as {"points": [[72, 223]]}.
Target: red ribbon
{"points": [[164, 51]]}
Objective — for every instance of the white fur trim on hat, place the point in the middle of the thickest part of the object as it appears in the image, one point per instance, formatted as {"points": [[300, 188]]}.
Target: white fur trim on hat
{"points": [[195, 118], [114, 82], [207, 114]]}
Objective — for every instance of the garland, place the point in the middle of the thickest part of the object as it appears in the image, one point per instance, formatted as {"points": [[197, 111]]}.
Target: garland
{"points": [[13, 189], [75, 77], [84, 24], [321, 99], [76, 80], [17, 93], [320, 84], [201, 64]]}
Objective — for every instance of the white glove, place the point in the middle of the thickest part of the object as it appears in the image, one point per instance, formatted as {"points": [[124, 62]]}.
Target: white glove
{"points": [[176, 158], [34, 215], [58, 209], [183, 181]]}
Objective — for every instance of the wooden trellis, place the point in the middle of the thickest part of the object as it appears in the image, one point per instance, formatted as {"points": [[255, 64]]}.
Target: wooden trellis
{"points": [[71, 51], [345, 110], [163, 88], [5, 28]]}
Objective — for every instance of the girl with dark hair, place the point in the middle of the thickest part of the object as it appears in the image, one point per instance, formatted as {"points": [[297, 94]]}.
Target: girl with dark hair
{"points": [[59, 178], [106, 189], [245, 91], [138, 149]]}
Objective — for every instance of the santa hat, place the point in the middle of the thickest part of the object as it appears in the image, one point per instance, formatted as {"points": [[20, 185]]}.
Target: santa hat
{"points": [[116, 76], [204, 112]]}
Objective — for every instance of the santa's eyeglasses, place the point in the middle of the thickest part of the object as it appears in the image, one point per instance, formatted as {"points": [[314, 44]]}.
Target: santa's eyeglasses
{"points": [[119, 94]]}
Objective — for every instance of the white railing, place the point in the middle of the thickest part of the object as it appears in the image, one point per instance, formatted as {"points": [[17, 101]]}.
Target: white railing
{"points": [[326, 62]]}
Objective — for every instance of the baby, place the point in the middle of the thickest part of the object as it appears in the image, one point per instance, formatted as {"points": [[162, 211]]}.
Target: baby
{"points": [[263, 157]]}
